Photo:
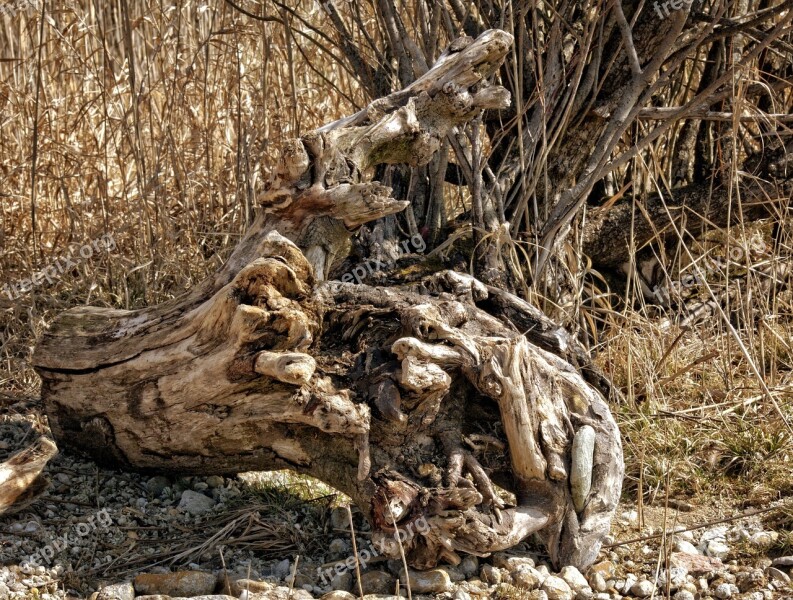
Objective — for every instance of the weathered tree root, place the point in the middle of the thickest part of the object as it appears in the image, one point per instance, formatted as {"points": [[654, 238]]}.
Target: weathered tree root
{"points": [[368, 389], [544, 405], [377, 392]]}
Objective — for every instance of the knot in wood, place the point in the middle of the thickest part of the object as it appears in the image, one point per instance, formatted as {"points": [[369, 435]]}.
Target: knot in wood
{"points": [[492, 386]]}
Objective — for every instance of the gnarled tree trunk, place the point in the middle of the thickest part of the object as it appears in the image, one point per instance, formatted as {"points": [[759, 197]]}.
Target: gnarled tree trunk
{"points": [[405, 398]]}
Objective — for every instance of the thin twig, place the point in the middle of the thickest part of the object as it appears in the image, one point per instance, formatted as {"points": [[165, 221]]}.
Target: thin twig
{"points": [[35, 153], [401, 550], [694, 527], [627, 38], [355, 552], [293, 578]]}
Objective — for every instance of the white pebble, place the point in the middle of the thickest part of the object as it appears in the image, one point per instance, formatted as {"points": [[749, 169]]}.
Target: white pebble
{"points": [[557, 589], [598, 583], [581, 466], [574, 579], [643, 589], [685, 547], [717, 549]]}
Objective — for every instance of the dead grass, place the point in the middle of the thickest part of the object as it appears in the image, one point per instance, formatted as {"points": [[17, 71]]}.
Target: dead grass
{"points": [[696, 422], [156, 127]]}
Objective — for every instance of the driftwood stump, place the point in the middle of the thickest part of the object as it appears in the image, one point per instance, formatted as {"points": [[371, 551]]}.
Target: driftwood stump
{"points": [[416, 401]]}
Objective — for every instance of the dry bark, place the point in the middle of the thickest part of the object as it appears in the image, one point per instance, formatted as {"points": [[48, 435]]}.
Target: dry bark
{"points": [[404, 398]]}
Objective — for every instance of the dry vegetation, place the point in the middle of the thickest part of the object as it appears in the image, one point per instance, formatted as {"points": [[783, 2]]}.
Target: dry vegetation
{"points": [[157, 123]]}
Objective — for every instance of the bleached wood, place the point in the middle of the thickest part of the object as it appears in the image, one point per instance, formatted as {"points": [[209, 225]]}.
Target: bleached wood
{"points": [[268, 365], [21, 480]]}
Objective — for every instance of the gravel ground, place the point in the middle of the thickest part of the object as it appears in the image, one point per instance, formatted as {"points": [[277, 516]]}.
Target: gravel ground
{"points": [[129, 535]]}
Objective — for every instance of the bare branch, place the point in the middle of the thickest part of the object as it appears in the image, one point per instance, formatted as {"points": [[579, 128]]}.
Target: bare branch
{"points": [[627, 38]]}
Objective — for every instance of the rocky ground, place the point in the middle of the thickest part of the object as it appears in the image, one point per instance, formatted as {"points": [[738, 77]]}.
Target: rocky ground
{"points": [[126, 535]]}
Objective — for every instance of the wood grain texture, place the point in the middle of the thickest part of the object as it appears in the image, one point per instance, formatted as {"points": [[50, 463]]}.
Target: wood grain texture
{"points": [[376, 391]]}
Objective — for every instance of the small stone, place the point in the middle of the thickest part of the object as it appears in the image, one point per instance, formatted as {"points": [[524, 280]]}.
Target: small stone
{"points": [[783, 561], [282, 569], [181, 583], [696, 564], [751, 579], [195, 503], [156, 485], [281, 593], [685, 546], [557, 588], [630, 517], [469, 566], [682, 534], [603, 596], [338, 546], [499, 559], [574, 579], [215, 481], [433, 581], [527, 577], [342, 581], [31, 527], [490, 574], [778, 575], [378, 582], [643, 589], [299, 580], [605, 568], [690, 587], [630, 579], [717, 549], [598, 582], [238, 586], [182, 483], [118, 591], [460, 594], [723, 591], [764, 539], [581, 466], [338, 595], [339, 519], [505, 561], [714, 534], [454, 573], [683, 595], [676, 577], [476, 587]]}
